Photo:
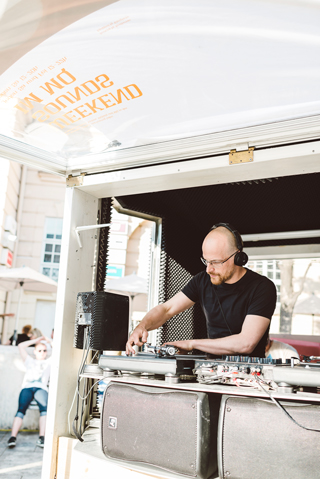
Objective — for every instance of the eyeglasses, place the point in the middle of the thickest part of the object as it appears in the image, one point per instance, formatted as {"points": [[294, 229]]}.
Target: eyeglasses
{"points": [[216, 264]]}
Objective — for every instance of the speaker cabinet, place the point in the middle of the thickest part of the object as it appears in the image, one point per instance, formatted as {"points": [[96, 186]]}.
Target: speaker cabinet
{"points": [[107, 315], [170, 429], [257, 440]]}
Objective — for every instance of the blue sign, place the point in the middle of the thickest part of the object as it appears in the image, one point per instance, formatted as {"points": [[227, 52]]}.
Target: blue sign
{"points": [[115, 271]]}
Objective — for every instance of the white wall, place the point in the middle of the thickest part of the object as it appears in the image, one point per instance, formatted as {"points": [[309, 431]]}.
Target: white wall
{"points": [[43, 197]]}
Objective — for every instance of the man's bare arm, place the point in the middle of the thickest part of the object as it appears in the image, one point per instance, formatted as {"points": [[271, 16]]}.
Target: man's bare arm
{"points": [[156, 317], [245, 342]]}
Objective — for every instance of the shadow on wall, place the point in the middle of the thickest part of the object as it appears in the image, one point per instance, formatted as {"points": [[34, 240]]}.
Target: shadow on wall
{"points": [[11, 376]]}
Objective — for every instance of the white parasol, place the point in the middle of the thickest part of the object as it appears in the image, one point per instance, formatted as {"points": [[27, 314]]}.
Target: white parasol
{"points": [[11, 279], [131, 284], [310, 305]]}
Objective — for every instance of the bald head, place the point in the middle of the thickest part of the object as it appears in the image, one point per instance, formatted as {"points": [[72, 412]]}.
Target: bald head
{"points": [[223, 239]]}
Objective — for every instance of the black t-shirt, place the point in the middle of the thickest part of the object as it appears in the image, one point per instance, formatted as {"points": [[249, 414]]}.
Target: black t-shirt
{"points": [[20, 339], [252, 294]]}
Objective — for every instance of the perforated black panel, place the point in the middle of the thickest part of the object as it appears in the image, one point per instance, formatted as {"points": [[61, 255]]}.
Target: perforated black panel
{"points": [[105, 218], [173, 277]]}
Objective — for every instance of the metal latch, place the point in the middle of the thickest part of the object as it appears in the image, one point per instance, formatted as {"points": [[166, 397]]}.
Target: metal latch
{"points": [[241, 156]]}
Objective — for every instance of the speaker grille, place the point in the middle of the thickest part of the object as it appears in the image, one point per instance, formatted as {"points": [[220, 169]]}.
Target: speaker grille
{"points": [[110, 322], [164, 428], [257, 440], [109, 313]]}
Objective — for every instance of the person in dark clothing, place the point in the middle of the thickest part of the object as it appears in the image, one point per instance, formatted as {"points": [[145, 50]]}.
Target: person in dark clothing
{"points": [[25, 336], [238, 303]]}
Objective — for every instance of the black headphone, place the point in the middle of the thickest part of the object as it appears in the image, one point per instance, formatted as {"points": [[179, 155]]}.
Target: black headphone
{"points": [[240, 258]]}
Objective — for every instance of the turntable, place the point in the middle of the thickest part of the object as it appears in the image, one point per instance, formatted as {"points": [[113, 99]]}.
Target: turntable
{"points": [[162, 360]]}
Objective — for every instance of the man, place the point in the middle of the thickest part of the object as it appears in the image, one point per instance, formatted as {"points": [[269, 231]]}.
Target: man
{"points": [[237, 303]]}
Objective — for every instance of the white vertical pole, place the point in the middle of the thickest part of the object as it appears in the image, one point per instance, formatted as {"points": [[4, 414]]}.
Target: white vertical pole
{"points": [[15, 333], [75, 275]]}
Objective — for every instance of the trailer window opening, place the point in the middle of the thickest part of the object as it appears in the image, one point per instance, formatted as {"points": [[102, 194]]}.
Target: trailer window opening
{"points": [[297, 283]]}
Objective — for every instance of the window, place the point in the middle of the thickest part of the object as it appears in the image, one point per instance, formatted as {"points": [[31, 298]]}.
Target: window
{"points": [[269, 268], [51, 248]]}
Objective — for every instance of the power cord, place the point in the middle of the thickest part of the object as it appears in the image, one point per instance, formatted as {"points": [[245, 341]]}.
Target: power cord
{"points": [[277, 403], [77, 431]]}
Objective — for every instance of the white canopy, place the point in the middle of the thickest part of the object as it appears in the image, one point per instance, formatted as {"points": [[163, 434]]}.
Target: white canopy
{"points": [[24, 278], [32, 280], [131, 284], [310, 305], [142, 82]]}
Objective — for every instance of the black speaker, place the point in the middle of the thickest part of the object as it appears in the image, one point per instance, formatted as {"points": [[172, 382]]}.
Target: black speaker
{"points": [[257, 440], [170, 429], [107, 316]]}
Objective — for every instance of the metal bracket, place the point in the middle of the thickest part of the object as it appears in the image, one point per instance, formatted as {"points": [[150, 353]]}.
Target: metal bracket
{"points": [[91, 227], [241, 156], [85, 319], [75, 180]]}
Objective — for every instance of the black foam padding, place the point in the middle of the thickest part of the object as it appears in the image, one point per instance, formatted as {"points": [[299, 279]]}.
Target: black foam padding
{"points": [[102, 264]]}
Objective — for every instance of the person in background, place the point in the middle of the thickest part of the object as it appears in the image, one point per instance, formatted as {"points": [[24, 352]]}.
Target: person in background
{"points": [[278, 350], [25, 336], [34, 386], [35, 333]]}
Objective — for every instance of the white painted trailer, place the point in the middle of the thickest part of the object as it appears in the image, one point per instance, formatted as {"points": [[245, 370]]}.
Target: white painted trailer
{"points": [[151, 96]]}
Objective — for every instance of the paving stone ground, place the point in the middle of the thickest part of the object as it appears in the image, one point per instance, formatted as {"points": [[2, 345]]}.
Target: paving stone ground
{"points": [[24, 461]]}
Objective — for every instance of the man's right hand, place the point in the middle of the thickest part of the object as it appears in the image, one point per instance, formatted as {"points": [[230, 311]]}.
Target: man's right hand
{"points": [[138, 337]]}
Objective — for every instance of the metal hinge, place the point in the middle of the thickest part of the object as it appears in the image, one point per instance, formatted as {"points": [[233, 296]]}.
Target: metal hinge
{"points": [[75, 180], [241, 156]]}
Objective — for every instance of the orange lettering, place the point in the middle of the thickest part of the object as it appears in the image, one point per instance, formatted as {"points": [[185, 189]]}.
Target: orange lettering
{"points": [[106, 80], [25, 105], [40, 115], [73, 120], [48, 85], [81, 113], [88, 89], [136, 88], [105, 102], [93, 106], [47, 109], [119, 93]]}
